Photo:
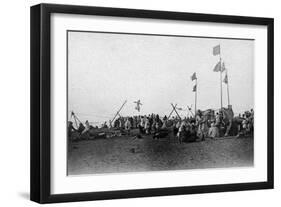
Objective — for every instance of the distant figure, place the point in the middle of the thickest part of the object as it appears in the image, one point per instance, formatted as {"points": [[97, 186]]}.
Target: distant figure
{"points": [[128, 126], [147, 126], [105, 125], [70, 129], [81, 128], [87, 127], [192, 133], [181, 131], [161, 133], [164, 125], [141, 125], [218, 122], [138, 105], [200, 125], [176, 126], [252, 122], [87, 124], [213, 131]]}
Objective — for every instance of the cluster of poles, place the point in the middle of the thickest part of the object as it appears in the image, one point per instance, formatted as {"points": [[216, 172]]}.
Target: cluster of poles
{"points": [[219, 67]]}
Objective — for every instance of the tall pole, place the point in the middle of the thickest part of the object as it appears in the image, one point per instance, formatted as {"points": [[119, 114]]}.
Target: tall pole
{"points": [[119, 111], [73, 115], [221, 81], [227, 85], [195, 108]]}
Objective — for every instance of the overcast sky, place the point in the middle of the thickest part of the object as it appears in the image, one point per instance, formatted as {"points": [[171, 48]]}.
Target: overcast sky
{"points": [[106, 69]]}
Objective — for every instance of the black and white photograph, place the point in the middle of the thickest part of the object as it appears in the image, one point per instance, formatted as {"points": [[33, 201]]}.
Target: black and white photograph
{"points": [[131, 103], [141, 102]]}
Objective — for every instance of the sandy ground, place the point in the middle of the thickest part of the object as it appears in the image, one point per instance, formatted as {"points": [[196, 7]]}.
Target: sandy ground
{"points": [[127, 154]]}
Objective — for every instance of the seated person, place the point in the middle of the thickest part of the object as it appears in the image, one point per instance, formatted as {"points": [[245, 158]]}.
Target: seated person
{"points": [[161, 133], [80, 128], [213, 131], [191, 134]]}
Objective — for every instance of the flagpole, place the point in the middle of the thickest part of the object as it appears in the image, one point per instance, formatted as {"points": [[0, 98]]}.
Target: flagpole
{"points": [[221, 81], [195, 108], [227, 85]]}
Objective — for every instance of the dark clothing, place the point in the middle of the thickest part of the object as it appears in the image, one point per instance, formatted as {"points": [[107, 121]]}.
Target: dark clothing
{"points": [[161, 133]]}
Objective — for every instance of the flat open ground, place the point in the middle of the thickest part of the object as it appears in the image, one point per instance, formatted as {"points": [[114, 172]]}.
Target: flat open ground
{"points": [[127, 154]]}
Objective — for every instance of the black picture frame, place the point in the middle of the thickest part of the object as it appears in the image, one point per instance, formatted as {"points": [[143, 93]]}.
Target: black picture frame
{"points": [[41, 98]]}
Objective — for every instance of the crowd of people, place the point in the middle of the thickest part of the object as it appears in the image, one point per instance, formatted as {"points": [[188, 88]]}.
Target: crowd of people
{"points": [[204, 124], [246, 124]]}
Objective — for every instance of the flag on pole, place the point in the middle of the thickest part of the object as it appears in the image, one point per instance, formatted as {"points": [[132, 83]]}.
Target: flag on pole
{"points": [[225, 80], [193, 77], [222, 67], [216, 50], [194, 88], [217, 68]]}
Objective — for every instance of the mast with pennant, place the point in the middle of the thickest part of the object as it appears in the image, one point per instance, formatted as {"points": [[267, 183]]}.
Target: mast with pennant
{"points": [[194, 77], [220, 67]]}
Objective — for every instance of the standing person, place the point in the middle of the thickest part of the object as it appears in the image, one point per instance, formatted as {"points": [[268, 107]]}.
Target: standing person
{"points": [[121, 123], [200, 123], [181, 131], [244, 125], [128, 126], [134, 122], [80, 129], [70, 129], [192, 132], [176, 126], [87, 126], [252, 121], [218, 122], [147, 125], [105, 125], [86, 129], [141, 125]]}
